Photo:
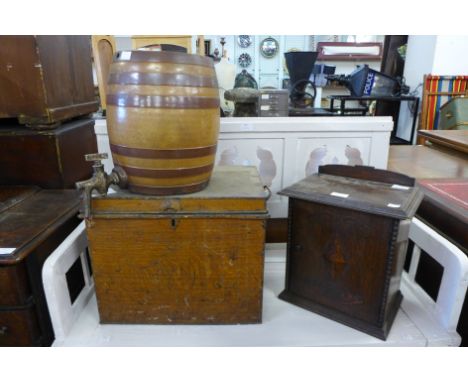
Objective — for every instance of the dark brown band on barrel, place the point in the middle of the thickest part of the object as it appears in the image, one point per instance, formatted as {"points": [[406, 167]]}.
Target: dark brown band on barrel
{"points": [[168, 190], [193, 152], [162, 79], [171, 102], [167, 173], [169, 57]]}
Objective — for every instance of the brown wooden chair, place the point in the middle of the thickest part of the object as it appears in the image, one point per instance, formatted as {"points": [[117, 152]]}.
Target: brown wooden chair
{"points": [[180, 40], [103, 53]]}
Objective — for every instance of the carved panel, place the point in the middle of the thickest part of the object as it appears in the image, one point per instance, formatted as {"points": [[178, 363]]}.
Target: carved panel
{"points": [[265, 154], [314, 152]]}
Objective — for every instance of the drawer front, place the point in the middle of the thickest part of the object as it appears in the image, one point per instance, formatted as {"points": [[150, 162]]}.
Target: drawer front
{"points": [[19, 328], [14, 285]]}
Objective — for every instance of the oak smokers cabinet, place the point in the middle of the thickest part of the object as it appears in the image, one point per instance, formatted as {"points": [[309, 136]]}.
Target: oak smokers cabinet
{"points": [[182, 259], [347, 238]]}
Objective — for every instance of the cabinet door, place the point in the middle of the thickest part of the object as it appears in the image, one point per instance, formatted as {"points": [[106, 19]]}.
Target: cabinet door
{"points": [[337, 258]]}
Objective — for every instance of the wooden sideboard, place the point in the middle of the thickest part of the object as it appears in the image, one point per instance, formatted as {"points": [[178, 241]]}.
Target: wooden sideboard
{"points": [[286, 149]]}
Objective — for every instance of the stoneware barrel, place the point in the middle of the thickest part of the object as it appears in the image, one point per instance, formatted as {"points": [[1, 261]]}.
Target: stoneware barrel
{"points": [[163, 120]]}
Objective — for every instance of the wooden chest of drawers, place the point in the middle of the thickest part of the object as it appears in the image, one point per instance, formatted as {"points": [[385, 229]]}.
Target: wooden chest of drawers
{"points": [[33, 223], [186, 259]]}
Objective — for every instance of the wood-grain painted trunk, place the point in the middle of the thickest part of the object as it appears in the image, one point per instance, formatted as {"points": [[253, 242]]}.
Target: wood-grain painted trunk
{"points": [[191, 259]]}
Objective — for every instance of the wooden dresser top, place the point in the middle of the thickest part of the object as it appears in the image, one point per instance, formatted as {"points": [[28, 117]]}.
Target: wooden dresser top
{"points": [[28, 214]]}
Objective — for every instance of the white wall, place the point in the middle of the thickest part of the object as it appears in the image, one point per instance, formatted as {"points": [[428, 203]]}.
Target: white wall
{"points": [[302, 42], [262, 68], [443, 55], [451, 55], [123, 42]]}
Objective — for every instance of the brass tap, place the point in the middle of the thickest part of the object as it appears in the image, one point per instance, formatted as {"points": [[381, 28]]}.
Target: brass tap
{"points": [[100, 181]]}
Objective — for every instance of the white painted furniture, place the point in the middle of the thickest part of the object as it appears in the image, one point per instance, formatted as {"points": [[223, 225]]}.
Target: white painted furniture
{"points": [[287, 149], [63, 312], [419, 321], [447, 308]]}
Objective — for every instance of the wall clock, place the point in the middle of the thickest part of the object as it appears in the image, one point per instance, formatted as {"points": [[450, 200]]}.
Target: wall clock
{"points": [[269, 47], [244, 41], [244, 60]]}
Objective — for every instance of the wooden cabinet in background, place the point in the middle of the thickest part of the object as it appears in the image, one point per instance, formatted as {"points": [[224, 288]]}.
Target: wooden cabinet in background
{"points": [[46, 79]]}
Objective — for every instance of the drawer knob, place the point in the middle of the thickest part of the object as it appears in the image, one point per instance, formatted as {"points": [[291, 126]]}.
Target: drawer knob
{"points": [[3, 330]]}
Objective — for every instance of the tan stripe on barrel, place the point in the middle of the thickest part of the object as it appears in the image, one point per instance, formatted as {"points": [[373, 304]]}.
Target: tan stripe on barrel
{"points": [[166, 182], [163, 118]]}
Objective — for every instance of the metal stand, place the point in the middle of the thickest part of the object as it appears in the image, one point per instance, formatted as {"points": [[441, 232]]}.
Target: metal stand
{"points": [[363, 111]]}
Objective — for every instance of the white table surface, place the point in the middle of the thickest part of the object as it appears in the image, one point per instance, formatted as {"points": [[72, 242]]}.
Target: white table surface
{"points": [[283, 324]]}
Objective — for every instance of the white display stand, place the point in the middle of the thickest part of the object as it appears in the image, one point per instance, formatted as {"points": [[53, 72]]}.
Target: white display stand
{"points": [[419, 321], [283, 324], [287, 149], [288, 142]]}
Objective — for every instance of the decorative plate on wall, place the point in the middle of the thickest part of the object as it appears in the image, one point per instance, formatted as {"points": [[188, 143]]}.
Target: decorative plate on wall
{"points": [[269, 47], [244, 60], [244, 41]]}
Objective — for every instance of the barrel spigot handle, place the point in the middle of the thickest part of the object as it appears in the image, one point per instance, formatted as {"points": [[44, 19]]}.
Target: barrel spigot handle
{"points": [[96, 158], [100, 180]]}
